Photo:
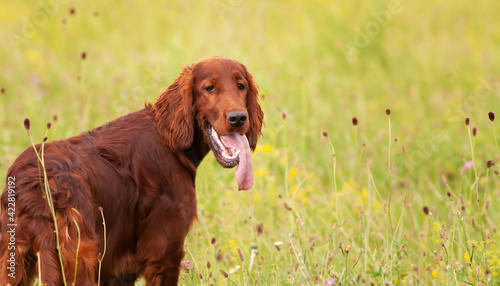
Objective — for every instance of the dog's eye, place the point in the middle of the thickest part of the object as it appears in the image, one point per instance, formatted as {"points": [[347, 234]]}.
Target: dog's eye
{"points": [[241, 86], [210, 88]]}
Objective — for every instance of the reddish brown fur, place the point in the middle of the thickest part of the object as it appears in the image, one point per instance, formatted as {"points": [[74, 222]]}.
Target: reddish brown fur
{"points": [[141, 169]]}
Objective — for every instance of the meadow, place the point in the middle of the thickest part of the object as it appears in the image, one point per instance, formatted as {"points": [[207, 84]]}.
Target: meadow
{"points": [[366, 174]]}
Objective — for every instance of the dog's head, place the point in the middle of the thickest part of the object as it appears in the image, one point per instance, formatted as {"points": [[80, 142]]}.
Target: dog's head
{"points": [[218, 96]]}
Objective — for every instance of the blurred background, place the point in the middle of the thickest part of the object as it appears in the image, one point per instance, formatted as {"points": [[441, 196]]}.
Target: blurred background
{"points": [[319, 64]]}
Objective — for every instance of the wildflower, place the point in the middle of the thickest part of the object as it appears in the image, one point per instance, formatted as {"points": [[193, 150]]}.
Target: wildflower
{"points": [[253, 245], [331, 281], [448, 194], [49, 125], [2, 90], [45, 139], [354, 121], [325, 133], [491, 115], [84, 55], [283, 115], [496, 172], [208, 264], [388, 111], [212, 241], [72, 11], [467, 121], [267, 148], [468, 165], [426, 210], [474, 131]]}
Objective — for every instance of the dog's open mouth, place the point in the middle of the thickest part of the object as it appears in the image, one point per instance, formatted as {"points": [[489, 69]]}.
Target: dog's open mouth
{"points": [[232, 150]]}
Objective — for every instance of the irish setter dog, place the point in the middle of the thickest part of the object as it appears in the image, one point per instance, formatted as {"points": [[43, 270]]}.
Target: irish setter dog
{"points": [[140, 169]]}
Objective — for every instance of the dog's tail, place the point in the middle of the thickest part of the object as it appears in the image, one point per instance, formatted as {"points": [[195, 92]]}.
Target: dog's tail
{"points": [[28, 244]]}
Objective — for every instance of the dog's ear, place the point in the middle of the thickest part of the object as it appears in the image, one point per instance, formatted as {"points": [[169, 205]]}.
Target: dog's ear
{"points": [[173, 113], [255, 114]]}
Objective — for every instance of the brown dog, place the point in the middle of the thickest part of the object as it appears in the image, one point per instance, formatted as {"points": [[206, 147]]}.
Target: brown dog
{"points": [[140, 168]]}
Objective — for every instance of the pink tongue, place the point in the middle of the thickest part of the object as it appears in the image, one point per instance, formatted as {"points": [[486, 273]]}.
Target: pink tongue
{"points": [[244, 174]]}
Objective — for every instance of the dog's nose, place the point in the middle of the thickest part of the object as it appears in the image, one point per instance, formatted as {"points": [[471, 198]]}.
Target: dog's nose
{"points": [[236, 118]]}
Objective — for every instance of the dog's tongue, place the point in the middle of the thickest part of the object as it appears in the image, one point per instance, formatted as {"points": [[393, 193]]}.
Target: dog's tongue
{"points": [[244, 174]]}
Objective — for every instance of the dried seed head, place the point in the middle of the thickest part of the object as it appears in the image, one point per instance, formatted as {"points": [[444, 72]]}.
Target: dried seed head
{"points": [[289, 208], [72, 11], [491, 116], [347, 249], [388, 111], [448, 194], [490, 164], [467, 121], [354, 121], [84, 55], [426, 210], [473, 223], [27, 124], [212, 241], [208, 264], [2, 90], [240, 254], [224, 273], [45, 139], [474, 131], [200, 275], [49, 125]]}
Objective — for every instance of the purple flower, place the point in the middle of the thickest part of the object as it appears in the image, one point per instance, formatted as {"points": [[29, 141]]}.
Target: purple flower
{"points": [[331, 281], [468, 165]]}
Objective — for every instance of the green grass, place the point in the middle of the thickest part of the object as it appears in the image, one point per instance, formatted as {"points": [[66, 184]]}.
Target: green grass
{"points": [[432, 65]]}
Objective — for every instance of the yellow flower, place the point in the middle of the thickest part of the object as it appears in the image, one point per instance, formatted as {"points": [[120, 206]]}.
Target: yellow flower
{"points": [[267, 148], [434, 273], [466, 256], [233, 247], [436, 226]]}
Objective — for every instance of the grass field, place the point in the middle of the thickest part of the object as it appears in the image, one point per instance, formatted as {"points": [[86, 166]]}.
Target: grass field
{"points": [[404, 198]]}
